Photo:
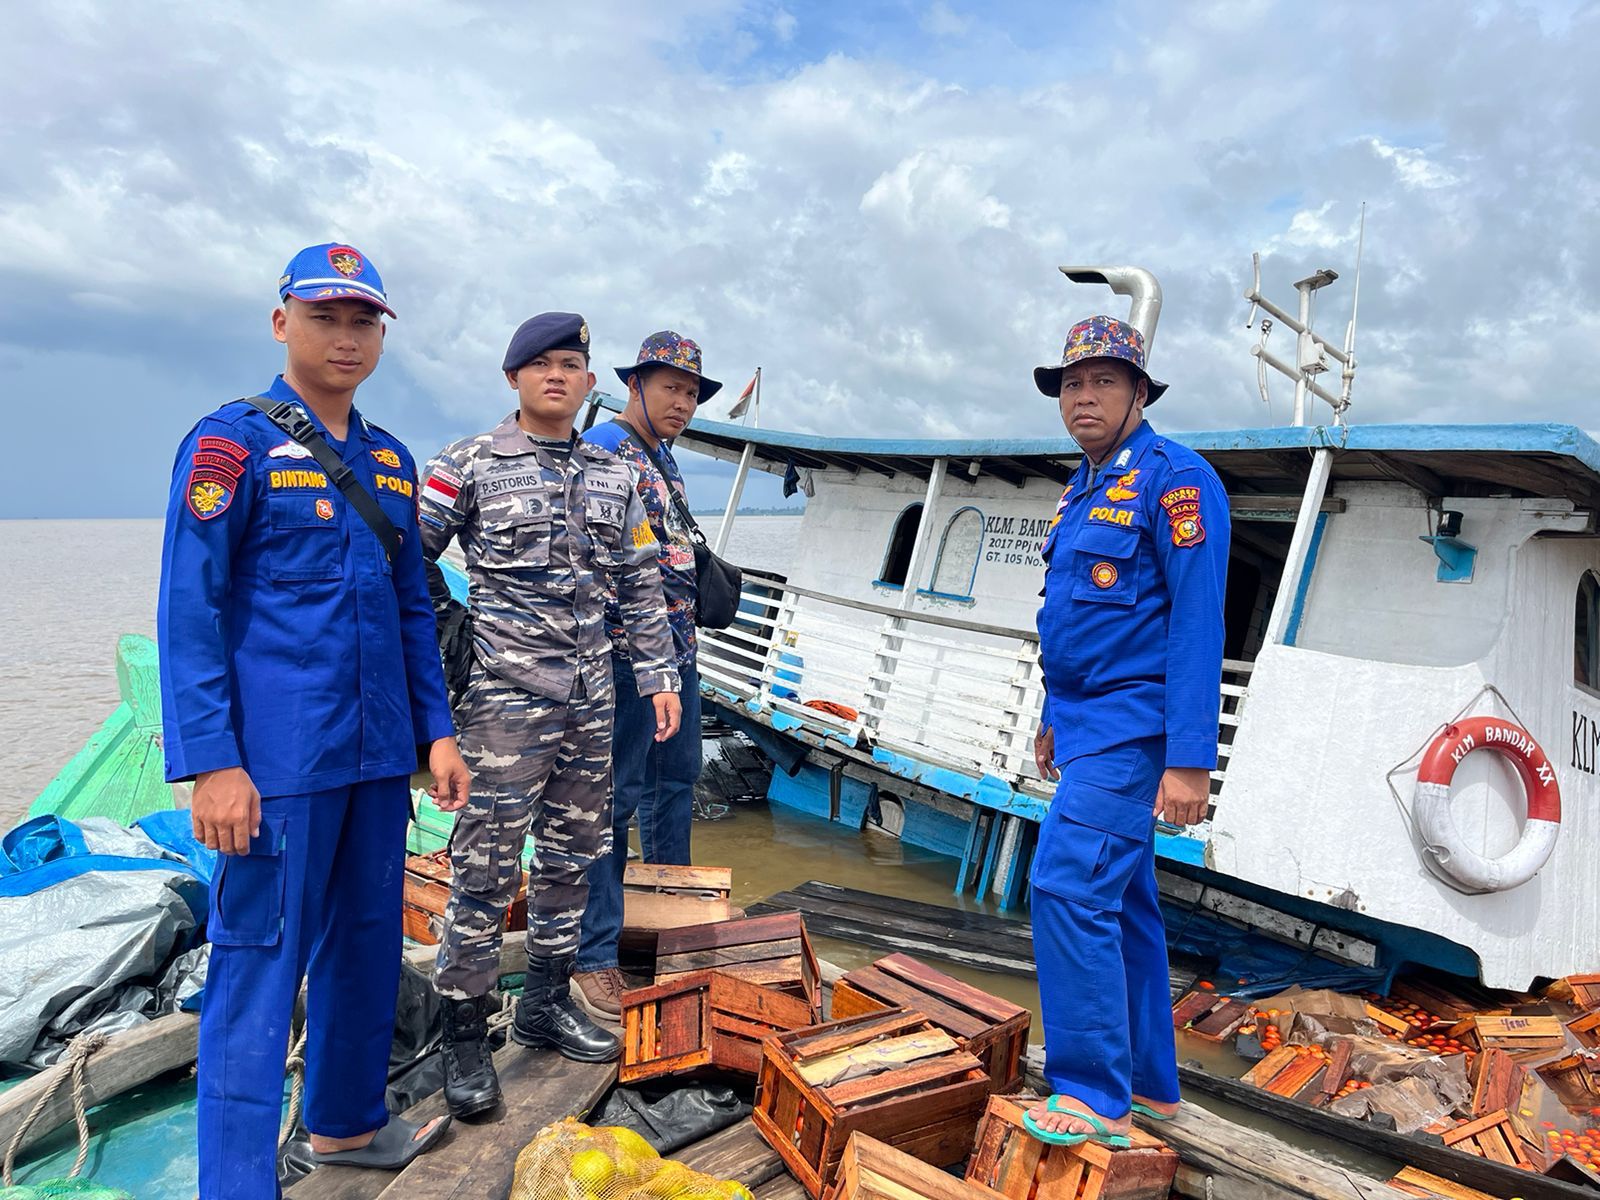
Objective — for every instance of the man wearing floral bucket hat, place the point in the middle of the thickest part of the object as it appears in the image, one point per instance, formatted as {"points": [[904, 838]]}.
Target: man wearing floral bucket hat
{"points": [[655, 779], [1130, 642]]}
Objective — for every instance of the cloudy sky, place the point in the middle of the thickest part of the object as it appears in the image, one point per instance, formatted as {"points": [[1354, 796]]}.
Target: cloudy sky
{"points": [[869, 200]]}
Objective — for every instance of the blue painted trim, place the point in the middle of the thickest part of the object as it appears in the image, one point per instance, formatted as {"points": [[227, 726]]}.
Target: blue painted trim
{"points": [[1304, 584], [1528, 437], [977, 556], [1176, 847], [884, 583], [933, 595]]}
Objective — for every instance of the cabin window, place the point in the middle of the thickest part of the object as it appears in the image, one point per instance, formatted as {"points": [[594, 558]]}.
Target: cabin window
{"points": [[1586, 634], [959, 550], [897, 559]]}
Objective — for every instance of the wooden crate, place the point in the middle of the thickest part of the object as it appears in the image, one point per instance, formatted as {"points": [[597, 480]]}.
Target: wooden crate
{"points": [[426, 889], [1209, 1016], [656, 898], [1295, 1072], [1414, 1182], [1574, 1078], [893, 1075], [1587, 1030], [1013, 1162], [772, 951], [995, 1030], [1580, 990], [700, 1022], [871, 1170], [1526, 1036], [1490, 1137]]}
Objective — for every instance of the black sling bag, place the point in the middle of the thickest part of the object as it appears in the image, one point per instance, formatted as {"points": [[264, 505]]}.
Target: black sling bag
{"points": [[287, 417], [717, 581]]}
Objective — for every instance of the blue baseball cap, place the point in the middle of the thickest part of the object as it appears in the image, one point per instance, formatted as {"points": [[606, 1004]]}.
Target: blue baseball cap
{"points": [[333, 271]]}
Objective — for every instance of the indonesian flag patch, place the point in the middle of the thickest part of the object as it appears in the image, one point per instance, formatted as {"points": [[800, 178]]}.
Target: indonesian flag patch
{"points": [[442, 487]]}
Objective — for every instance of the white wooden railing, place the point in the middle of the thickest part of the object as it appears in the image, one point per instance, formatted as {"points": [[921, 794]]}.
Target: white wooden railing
{"points": [[941, 690]]}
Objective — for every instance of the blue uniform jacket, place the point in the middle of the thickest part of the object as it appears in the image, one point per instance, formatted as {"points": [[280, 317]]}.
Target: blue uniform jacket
{"points": [[290, 645], [1130, 633]]}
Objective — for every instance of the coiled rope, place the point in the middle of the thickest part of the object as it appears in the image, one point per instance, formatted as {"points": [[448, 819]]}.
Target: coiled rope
{"points": [[73, 1067]]}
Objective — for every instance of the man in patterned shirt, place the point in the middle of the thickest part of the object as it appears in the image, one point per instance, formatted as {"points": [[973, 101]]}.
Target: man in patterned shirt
{"points": [[550, 527], [653, 778]]}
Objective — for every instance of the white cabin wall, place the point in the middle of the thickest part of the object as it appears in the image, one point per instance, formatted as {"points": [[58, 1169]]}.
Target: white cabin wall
{"points": [[1375, 591], [848, 523], [1306, 809]]}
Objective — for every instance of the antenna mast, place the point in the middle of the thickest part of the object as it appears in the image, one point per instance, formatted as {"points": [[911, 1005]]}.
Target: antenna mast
{"points": [[1312, 350]]}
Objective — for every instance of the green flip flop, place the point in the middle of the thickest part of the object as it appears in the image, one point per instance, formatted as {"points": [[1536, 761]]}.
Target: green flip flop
{"points": [[1102, 1135], [1154, 1115]]}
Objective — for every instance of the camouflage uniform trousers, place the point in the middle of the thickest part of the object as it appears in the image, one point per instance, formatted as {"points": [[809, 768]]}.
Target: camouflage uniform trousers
{"points": [[539, 766]]}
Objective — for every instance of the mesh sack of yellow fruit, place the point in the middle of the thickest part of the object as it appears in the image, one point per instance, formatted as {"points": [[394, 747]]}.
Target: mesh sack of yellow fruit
{"points": [[571, 1161]]}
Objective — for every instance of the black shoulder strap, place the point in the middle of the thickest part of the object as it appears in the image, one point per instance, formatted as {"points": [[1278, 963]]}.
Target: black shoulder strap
{"points": [[678, 505], [288, 417]]}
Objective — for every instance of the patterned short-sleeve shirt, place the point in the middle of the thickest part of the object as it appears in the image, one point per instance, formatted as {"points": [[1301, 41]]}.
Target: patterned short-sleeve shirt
{"points": [[676, 553]]}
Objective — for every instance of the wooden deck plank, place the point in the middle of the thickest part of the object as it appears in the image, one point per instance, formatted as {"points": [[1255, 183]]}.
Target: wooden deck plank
{"points": [[737, 1152], [475, 1159]]}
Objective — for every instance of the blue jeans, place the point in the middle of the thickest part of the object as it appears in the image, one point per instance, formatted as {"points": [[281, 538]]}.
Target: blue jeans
{"points": [[651, 778]]}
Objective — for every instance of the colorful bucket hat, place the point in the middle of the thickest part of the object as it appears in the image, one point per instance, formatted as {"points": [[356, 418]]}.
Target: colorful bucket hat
{"points": [[672, 350], [333, 271], [1099, 337]]}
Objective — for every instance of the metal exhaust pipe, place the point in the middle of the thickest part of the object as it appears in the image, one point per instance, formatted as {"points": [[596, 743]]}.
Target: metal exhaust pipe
{"points": [[1133, 282]]}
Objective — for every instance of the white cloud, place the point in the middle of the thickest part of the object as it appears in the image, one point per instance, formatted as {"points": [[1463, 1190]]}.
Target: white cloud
{"points": [[877, 227], [1412, 167]]}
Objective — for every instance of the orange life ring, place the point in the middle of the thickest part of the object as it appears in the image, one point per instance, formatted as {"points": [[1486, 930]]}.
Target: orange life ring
{"points": [[1442, 843]]}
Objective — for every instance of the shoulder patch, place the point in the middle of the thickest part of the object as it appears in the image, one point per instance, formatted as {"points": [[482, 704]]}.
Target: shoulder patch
{"points": [[442, 487], [208, 494], [1182, 505], [221, 445]]}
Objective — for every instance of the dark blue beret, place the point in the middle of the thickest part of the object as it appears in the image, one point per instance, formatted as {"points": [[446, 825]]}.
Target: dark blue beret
{"points": [[547, 331]]}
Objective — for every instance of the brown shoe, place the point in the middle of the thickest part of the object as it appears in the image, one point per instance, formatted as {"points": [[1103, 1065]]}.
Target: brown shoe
{"points": [[599, 993]]}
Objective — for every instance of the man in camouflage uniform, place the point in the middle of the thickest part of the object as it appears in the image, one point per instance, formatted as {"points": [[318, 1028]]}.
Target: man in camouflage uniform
{"points": [[544, 520]]}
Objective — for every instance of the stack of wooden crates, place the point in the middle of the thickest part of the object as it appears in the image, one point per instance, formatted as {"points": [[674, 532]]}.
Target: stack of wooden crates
{"points": [[916, 1071]]}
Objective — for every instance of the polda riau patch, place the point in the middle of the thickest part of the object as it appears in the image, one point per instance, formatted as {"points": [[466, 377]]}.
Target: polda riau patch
{"points": [[208, 494], [1182, 506], [1103, 574]]}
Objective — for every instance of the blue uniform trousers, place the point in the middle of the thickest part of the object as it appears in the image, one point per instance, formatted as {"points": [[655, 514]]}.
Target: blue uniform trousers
{"points": [[318, 895], [1098, 938], [655, 780]]}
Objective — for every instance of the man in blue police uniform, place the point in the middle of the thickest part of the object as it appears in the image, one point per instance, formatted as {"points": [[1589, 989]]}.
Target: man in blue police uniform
{"points": [[1130, 641], [299, 672]]}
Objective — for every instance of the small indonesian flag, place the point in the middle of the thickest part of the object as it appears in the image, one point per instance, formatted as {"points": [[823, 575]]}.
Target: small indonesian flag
{"points": [[442, 488], [743, 402]]}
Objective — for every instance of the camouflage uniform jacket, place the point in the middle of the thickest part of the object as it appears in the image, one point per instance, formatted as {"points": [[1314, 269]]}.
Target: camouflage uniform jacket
{"points": [[543, 534]]}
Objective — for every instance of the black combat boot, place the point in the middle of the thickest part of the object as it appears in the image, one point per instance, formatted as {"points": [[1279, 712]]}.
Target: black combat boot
{"points": [[546, 1015], [470, 1084]]}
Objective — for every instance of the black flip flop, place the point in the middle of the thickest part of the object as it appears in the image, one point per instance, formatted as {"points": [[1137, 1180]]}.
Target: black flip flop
{"points": [[391, 1148]]}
